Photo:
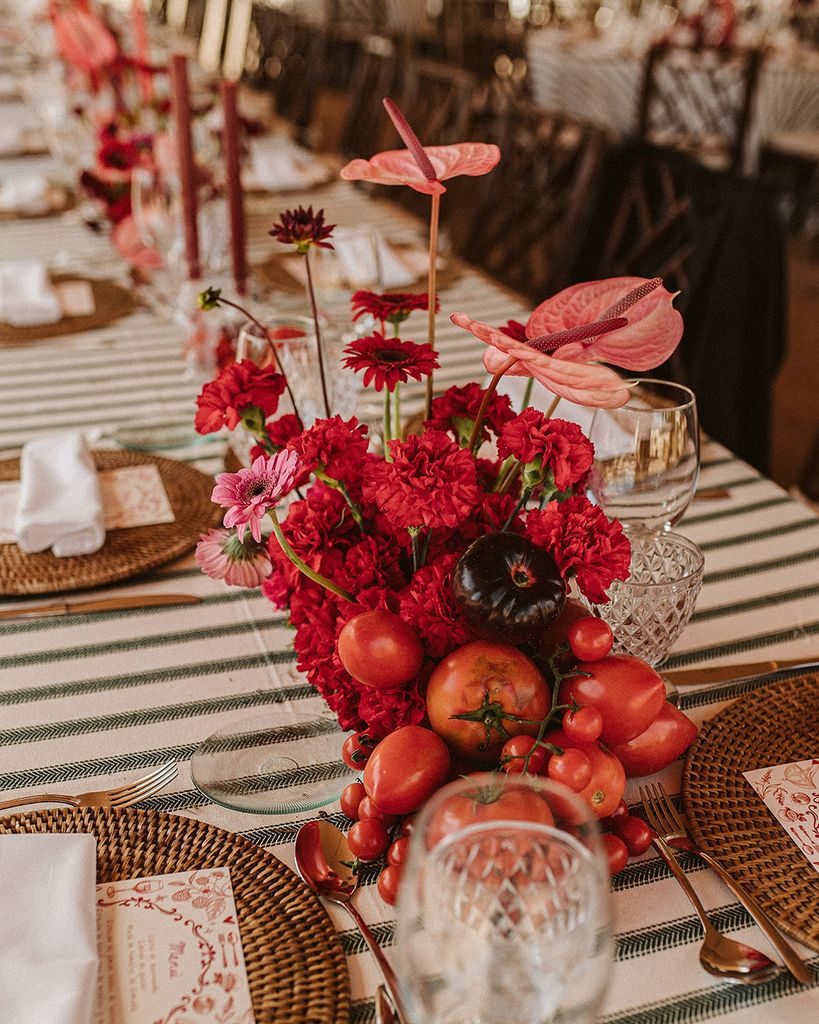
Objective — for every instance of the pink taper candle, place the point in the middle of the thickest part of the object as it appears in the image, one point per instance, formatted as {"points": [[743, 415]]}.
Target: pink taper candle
{"points": [[142, 49], [233, 178], [181, 102]]}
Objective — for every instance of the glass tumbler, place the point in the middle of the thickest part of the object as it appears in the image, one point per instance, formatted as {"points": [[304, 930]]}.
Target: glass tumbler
{"points": [[501, 920]]}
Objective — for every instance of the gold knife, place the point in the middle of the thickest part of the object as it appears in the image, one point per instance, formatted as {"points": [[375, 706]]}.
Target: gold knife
{"points": [[727, 673], [105, 604]]}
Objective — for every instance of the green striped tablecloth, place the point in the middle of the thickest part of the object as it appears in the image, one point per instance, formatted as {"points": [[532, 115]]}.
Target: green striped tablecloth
{"points": [[88, 701]]}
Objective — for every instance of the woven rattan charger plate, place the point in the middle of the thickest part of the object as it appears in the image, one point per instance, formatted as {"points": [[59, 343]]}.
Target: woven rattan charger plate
{"points": [[776, 724], [295, 965], [111, 303], [125, 553]]}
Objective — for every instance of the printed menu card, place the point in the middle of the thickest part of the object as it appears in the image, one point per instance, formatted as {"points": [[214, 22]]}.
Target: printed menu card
{"points": [[170, 951], [791, 794]]}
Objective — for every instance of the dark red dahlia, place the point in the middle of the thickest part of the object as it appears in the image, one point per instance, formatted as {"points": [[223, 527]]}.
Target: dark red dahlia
{"points": [[389, 361], [303, 228]]}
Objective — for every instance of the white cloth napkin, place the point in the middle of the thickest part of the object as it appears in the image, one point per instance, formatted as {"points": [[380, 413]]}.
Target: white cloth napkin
{"points": [[60, 505], [277, 166], [48, 936], [24, 195], [26, 296], [357, 249]]}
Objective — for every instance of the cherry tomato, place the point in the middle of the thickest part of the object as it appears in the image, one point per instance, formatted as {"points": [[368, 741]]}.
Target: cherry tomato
{"points": [[356, 750], [368, 810], [494, 685], [388, 882], [368, 839], [585, 724], [628, 693], [590, 639], [634, 832], [514, 752], [616, 853], [512, 801], [380, 650], [667, 738], [558, 632], [620, 811], [608, 780], [406, 767], [351, 798], [572, 768], [397, 853], [407, 827]]}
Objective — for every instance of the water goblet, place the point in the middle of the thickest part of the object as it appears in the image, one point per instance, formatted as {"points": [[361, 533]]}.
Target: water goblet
{"points": [[502, 920], [647, 457]]}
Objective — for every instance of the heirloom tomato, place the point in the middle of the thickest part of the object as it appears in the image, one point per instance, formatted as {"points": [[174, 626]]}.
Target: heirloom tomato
{"points": [[608, 781], [487, 802], [482, 694], [627, 692], [667, 738], [380, 650], [406, 767]]}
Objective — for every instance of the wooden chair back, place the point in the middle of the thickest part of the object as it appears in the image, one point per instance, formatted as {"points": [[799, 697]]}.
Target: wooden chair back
{"points": [[376, 74]]}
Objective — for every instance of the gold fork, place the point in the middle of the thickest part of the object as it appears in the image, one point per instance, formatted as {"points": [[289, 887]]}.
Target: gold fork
{"points": [[665, 819], [120, 796]]}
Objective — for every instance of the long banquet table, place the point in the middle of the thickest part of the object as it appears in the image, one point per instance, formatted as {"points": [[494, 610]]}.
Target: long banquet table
{"points": [[93, 700]]}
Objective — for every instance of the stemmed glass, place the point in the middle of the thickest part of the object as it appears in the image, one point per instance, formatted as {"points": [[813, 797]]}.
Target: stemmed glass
{"points": [[156, 206], [504, 920]]}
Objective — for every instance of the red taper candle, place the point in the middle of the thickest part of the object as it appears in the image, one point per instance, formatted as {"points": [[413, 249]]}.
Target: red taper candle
{"points": [[233, 180], [142, 50], [181, 104]]}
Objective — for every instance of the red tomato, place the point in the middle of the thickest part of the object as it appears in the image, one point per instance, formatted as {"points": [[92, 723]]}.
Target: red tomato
{"points": [[608, 781], [558, 631], [616, 853], [388, 882], [628, 693], [667, 738], [368, 839], [406, 767], [494, 684], [487, 803], [573, 768], [585, 724], [356, 749], [620, 811], [590, 639], [368, 809], [634, 832], [397, 853], [407, 827], [514, 753], [379, 649], [351, 797]]}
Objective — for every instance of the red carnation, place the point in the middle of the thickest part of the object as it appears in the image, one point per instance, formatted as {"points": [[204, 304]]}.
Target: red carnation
{"points": [[333, 447], [238, 387], [457, 408], [428, 605], [583, 542], [556, 445], [390, 361], [430, 482], [392, 307]]}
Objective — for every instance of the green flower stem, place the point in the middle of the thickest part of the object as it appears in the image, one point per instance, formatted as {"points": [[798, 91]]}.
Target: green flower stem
{"points": [[432, 283], [414, 532], [301, 565], [387, 424], [551, 410], [527, 394], [397, 413], [508, 465], [525, 495], [311, 292], [339, 486], [510, 478]]}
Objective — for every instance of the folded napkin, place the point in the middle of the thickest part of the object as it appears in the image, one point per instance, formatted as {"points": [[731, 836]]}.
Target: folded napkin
{"points": [[25, 195], [26, 296], [48, 937], [277, 166], [10, 139], [60, 506], [358, 251]]}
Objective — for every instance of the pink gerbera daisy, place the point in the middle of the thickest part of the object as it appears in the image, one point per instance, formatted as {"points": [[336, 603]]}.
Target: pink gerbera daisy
{"points": [[240, 563], [250, 493]]}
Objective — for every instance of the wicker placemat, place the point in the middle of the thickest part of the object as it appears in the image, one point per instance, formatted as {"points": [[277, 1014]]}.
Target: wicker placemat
{"points": [[111, 303], [126, 552], [776, 724], [295, 964]]}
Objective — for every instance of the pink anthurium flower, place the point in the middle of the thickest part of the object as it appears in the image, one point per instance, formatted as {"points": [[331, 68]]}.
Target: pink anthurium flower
{"points": [[399, 166], [83, 39]]}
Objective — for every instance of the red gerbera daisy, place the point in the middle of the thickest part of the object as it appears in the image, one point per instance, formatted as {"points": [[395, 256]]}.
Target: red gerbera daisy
{"points": [[302, 228], [390, 361], [391, 307]]}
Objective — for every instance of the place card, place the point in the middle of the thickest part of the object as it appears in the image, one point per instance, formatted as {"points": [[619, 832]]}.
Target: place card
{"points": [[131, 496], [791, 794], [170, 951], [76, 298]]}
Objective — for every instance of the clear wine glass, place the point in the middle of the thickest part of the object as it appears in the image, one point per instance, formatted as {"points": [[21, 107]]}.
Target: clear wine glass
{"points": [[647, 457], [504, 920], [156, 207]]}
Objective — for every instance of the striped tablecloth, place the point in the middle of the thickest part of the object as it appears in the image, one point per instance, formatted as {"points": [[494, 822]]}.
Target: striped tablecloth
{"points": [[89, 701]]}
